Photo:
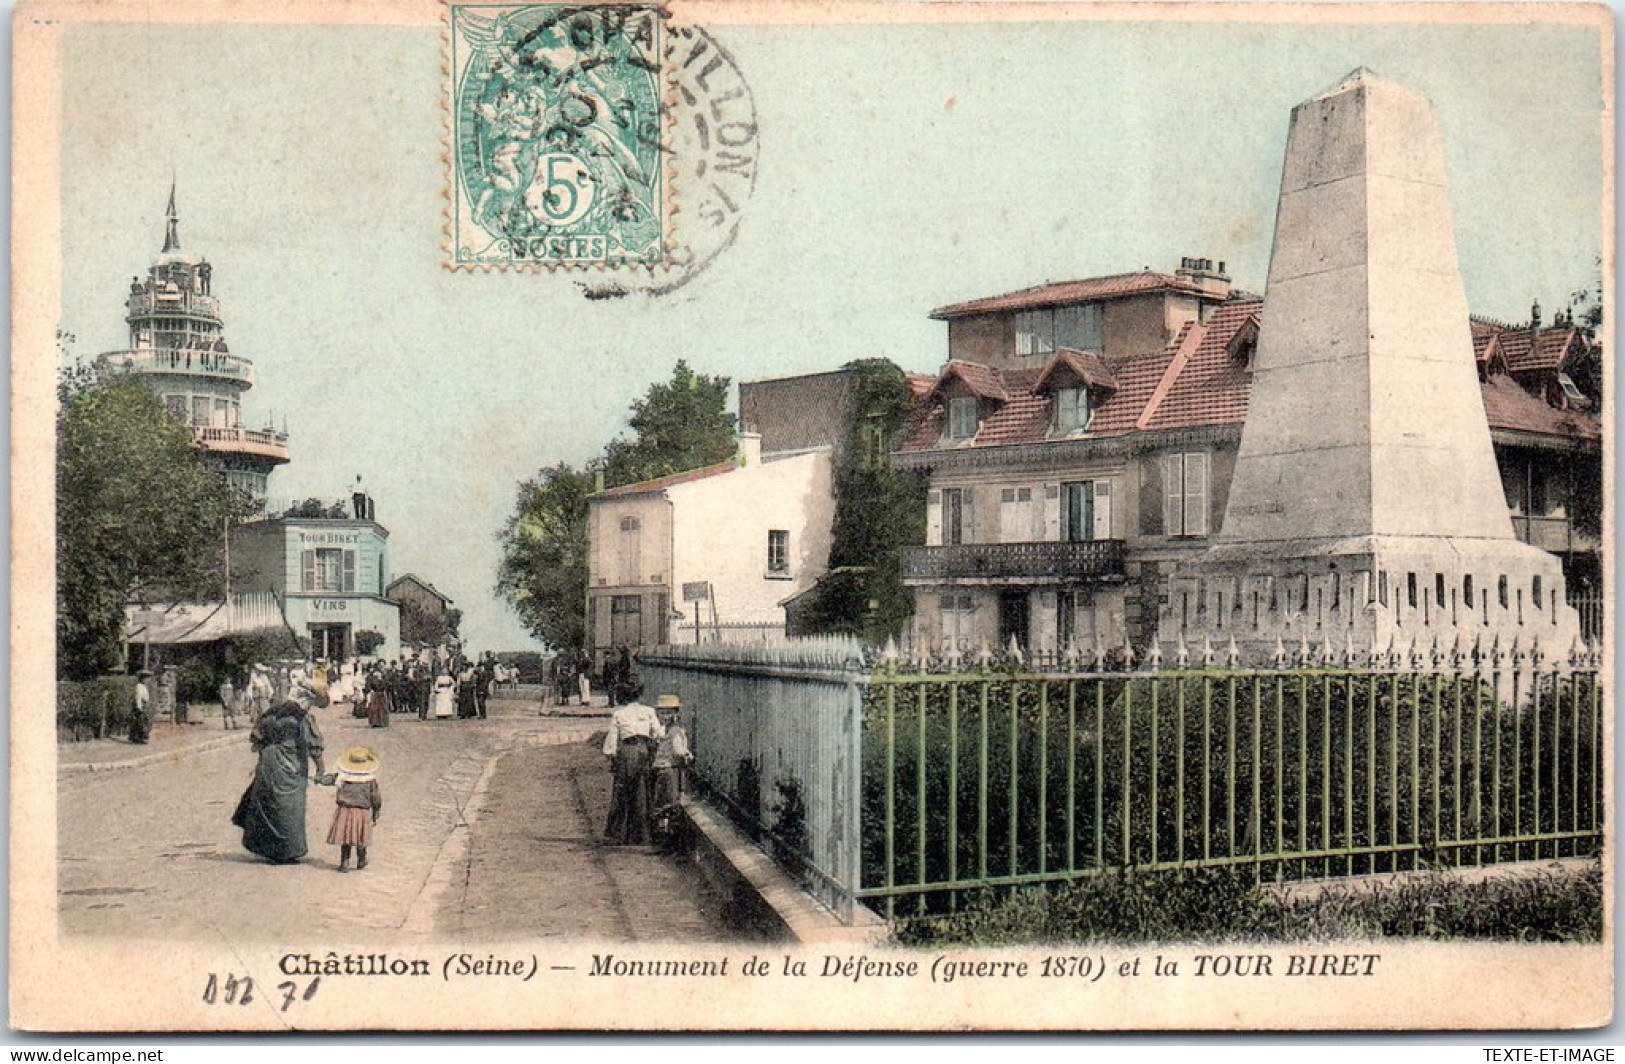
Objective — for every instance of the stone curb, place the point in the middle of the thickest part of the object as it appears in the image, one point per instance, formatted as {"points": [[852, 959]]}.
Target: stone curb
{"points": [[726, 854], [157, 756]]}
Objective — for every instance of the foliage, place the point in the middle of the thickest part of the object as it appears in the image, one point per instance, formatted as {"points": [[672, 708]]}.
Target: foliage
{"points": [[543, 572], [1551, 904], [244, 649], [1008, 775], [140, 512], [421, 626], [1560, 904], [94, 709], [879, 510], [367, 642], [677, 426], [530, 664], [789, 836], [198, 673], [316, 510]]}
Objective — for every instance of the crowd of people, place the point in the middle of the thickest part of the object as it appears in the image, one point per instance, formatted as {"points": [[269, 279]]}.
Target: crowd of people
{"points": [[646, 747], [454, 688]]}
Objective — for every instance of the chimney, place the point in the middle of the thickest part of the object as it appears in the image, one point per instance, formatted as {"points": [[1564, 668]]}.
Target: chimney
{"points": [[750, 449], [1202, 273], [1534, 315]]}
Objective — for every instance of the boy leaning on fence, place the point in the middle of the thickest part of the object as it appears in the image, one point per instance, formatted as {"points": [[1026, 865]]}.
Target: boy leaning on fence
{"points": [[671, 759]]}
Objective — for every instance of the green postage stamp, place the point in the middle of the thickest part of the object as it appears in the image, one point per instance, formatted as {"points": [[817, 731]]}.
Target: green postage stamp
{"points": [[558, 138]]}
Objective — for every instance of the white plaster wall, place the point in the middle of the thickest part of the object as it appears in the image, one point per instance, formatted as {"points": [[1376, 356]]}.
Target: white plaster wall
{"points": [[720, 526], [614, 555]]}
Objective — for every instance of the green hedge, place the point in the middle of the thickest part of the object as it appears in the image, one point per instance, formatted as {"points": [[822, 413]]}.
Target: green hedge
{"points": [[1550, 905], [94, 709], [1370, 773]]}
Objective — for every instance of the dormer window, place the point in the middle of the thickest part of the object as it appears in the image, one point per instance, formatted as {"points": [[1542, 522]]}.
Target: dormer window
{"points": [[1573, 397], [1075, 382], [1243, 344], [1072, 410], [962, 417]]}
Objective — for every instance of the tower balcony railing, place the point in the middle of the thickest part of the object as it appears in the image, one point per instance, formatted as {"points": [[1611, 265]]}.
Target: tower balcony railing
{"points": [[150, 304], [267, 443], [183, 362], [1088, 559]]}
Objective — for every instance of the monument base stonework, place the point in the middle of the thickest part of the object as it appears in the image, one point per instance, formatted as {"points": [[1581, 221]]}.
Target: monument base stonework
{"points": [[1415, 600]]}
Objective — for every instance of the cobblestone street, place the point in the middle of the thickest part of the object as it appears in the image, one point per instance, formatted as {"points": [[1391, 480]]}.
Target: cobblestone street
{"points": [[149, 851]]}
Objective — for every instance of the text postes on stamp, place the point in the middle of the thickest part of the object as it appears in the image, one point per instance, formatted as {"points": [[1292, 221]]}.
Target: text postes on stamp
{"points": [[557, 135]]}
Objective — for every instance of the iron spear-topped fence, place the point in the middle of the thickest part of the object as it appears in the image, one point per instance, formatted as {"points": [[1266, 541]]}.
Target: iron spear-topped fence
{"points": [[915, 781]]}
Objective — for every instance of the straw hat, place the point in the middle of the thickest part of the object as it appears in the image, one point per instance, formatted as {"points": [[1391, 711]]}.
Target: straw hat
{"points": [[668, 702], [359, 759]]}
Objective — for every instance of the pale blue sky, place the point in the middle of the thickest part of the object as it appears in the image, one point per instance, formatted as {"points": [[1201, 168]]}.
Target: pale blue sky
{"points": [[901, 168]]}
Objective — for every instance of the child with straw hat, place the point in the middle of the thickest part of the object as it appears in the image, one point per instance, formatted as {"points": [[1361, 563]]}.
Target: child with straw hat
{"points": [[359, 803]]}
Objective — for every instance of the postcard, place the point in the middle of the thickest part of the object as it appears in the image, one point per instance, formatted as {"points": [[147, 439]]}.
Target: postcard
{"points": [[867, 515]]}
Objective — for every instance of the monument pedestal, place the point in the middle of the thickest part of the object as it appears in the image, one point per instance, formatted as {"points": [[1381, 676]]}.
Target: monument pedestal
{"points": [[1421, 598]]}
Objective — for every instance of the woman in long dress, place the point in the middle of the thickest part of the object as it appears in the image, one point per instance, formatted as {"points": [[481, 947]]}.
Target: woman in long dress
{"points": [[272, 810], [377, 699], [466, 681], [445, 696]]}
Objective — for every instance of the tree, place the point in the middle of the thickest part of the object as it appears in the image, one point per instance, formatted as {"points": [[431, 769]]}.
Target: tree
{"points": [[677, 426], [428, 627], [140, 512], [543, 572], [316, 509]]}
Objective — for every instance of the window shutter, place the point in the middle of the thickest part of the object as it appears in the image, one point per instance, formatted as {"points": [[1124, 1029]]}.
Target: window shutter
{"points": [[308, 558], [933, 518], [1173, 489], [1103, 509], [1052, 514], [349, 570], [1196, 494], [967, 524], [1048, 631]]}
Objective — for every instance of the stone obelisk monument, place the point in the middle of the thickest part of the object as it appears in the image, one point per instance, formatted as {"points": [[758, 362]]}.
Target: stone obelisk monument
{"points": [[1366, 508]]}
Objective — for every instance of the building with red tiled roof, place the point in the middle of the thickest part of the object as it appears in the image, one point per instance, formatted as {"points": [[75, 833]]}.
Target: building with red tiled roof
{"points": [[1074, 455]]}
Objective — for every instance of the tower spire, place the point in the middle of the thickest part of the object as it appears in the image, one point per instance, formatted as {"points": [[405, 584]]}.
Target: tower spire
{"points": [[172, 231]]}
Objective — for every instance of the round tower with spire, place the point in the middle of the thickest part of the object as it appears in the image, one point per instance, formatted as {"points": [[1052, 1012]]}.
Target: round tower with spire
{"points": [[178, 348]]}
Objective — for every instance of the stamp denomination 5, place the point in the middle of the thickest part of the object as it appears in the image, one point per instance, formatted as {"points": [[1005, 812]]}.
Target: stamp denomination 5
{"points": [[557, 139]]}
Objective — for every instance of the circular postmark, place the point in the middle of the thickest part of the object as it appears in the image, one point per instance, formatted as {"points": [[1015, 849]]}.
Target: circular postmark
{"points": [[713, 151]]}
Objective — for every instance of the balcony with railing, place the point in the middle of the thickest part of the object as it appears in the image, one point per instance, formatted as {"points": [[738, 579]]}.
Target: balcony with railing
{"points": [[266, 443], [182, 303], [182, 362], [1097, 559]]}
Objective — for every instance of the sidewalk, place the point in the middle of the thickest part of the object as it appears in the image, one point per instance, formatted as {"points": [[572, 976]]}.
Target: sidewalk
{"points": [[168, 742], [537, 866]]}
